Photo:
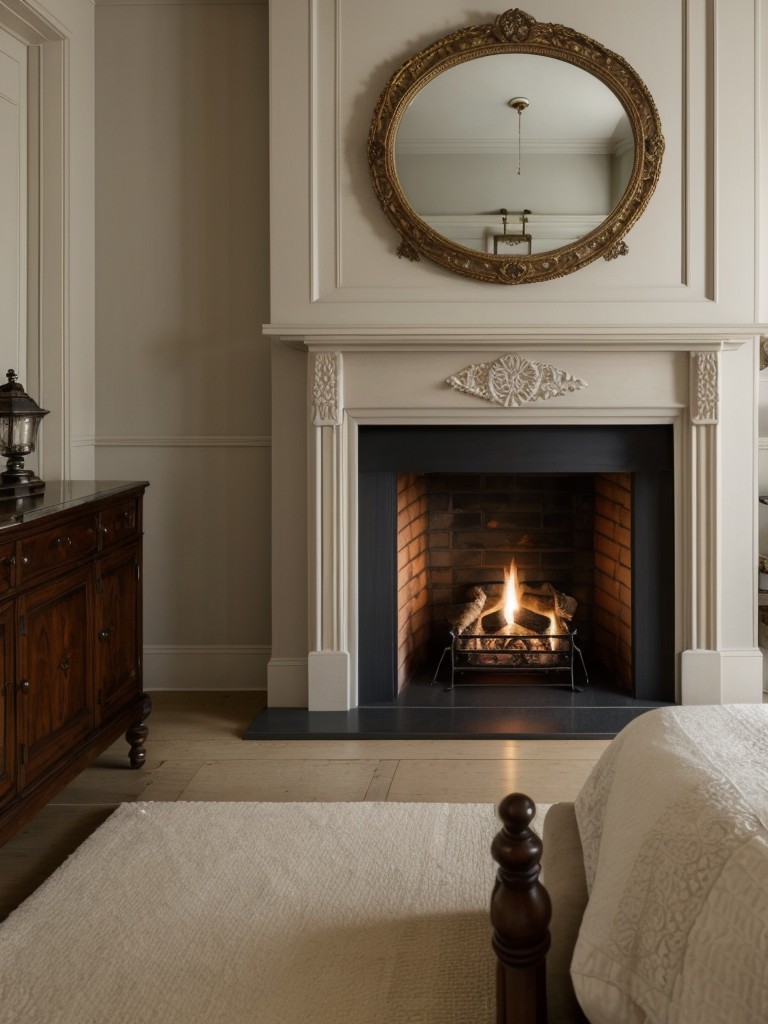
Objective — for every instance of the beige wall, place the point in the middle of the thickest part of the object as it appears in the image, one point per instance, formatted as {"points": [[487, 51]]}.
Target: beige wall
{"points": [[182, 282]]}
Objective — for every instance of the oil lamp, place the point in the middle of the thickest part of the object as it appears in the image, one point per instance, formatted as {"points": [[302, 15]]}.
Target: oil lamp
{"points": [[20, 418]]}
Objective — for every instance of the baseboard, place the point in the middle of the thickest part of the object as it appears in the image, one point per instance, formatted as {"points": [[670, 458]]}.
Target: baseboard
{"points": [[206, 667]]}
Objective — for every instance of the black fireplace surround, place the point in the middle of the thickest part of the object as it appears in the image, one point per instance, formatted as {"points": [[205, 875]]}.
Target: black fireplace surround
{"points": [[645, 452]]}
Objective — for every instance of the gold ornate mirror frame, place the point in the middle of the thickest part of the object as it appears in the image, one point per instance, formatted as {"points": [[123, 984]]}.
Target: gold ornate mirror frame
{"points": [[514, 31]]}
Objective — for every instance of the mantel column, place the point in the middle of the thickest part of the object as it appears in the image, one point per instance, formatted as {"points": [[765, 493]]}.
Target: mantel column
{"points": [[711, 672], [329, 670], [705, 487]]}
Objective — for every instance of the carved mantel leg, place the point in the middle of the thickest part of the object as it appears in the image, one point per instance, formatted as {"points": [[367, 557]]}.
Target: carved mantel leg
{"points": [[137, 733], [329, 659]]}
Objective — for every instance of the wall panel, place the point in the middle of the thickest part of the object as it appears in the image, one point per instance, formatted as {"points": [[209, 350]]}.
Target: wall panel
{"points": [[183, 395]]}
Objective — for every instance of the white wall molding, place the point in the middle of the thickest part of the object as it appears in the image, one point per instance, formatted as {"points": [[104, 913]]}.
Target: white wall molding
{"points": [[180, 3], [171, 441], [29, 21], [703, 209], [206, 666]]}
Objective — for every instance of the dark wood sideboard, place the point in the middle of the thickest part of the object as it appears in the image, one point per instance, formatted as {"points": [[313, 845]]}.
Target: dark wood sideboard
{"points": [[70, 638]]}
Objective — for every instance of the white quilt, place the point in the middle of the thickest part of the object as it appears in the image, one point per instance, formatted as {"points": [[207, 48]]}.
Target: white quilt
{"points": [[674, 825]]}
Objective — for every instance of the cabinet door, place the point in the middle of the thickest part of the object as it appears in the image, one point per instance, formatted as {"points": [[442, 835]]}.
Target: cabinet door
{"points": [[55, 692], [7, 703], [118, 614]]}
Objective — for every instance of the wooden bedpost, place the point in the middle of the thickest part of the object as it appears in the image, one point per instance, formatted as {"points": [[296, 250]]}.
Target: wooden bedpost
{"points": [[520, 915]]}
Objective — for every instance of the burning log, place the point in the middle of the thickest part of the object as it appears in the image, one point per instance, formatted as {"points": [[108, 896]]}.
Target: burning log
{"points": [[547, 600], [463, 616], [494, 621], [532, 620]]}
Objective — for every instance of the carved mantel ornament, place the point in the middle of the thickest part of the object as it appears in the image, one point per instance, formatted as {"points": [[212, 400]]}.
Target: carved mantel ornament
{"points": [[513, 381], [326, 390], [705, 388]]}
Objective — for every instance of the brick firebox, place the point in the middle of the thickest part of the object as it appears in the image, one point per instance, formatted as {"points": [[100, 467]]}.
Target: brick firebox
{"points": [[459, 530]]}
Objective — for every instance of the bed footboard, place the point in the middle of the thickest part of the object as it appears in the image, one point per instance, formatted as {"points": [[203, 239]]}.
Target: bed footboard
{"points": [[520, 915]]}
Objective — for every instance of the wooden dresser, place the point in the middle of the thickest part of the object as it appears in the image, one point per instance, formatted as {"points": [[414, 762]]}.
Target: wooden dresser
{"points": [[70, 638]]}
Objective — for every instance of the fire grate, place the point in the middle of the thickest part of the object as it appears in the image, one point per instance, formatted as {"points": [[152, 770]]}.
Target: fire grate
{"points": [[478, 652]]}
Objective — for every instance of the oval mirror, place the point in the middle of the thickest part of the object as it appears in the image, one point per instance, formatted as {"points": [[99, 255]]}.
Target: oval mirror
{"points": [[522, 166]]}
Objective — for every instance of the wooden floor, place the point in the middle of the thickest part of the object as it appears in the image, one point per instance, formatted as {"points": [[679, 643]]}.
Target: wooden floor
{"points": [[195, 752]]}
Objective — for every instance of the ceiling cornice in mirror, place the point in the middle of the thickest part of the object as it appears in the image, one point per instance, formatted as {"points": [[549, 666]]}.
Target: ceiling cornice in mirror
{"points": [[513, 32]]}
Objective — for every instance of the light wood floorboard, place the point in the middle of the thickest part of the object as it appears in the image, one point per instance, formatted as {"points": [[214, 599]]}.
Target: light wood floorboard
{"points": [[195, 752]]}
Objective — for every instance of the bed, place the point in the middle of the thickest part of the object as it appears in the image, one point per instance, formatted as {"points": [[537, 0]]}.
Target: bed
{"points": [[646, 900]]}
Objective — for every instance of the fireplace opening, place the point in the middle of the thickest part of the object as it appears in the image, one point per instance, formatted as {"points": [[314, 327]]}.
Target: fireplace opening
{"points": [[512, 567], [581, 517]]}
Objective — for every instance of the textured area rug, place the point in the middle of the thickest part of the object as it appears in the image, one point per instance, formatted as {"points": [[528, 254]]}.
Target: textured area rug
{"points": [[227, 913]]}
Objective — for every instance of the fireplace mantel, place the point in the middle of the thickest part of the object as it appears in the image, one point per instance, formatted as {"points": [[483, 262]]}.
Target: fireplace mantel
{"points": [[694, 381], [598, 339]]}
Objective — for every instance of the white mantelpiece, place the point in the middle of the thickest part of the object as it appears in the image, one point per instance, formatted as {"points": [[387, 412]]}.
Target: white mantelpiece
{"points": [[695, 385], [667, 334]]}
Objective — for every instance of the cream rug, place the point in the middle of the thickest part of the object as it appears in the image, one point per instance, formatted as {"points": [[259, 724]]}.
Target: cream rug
{"points": [[261, 913]]}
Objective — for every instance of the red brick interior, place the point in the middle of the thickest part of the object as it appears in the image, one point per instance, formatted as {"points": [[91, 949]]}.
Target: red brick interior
{"points": [[613, 574], [455, 531], [413, 615], [477, 522]]}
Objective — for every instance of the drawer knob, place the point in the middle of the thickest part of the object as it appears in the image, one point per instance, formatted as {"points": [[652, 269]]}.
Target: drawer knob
{"points": [[24, 686], [104, 634], [63, 542]]}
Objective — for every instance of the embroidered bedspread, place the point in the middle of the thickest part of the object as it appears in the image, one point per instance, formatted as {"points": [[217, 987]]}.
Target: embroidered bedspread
{"points": [[674, 824]]}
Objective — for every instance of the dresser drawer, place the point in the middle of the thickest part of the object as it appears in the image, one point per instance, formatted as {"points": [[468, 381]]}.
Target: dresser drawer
{"points": [[57, 548], [119, 522]]}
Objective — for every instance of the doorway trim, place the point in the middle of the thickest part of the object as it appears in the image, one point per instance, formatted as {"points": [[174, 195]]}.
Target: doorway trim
{"points": [[48, 203]]}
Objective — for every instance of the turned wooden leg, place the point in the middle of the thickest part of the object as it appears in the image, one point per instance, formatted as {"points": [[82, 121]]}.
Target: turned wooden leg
{"points": [[137, 735]]}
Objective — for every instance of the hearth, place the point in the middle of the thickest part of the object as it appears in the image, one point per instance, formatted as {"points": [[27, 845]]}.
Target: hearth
{"points": [[586, 513]]}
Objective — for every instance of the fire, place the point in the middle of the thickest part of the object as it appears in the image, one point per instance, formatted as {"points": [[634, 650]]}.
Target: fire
{"points": [[511, 602], [553, 629]]}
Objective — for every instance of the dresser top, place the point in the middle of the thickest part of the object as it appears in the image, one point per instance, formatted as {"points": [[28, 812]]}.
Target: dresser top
{"points": [[60, 495]]}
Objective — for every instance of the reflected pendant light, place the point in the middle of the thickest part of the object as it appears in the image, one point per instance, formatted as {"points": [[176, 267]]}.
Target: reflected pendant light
{"points": [[519, 103]]}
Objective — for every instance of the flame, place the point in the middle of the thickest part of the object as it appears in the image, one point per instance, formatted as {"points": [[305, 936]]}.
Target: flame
{"points": [[553, 629], [510, 592]]}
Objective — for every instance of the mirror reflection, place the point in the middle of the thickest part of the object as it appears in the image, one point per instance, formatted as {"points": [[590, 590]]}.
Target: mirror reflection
{"points": [[531, 135]]}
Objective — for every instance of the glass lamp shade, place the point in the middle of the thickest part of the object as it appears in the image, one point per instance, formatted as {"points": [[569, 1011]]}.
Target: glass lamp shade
{"points": [[20, 418], [18, 434]]}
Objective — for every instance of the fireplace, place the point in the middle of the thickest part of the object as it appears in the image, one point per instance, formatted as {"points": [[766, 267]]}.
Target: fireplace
{"points": [[669, 412], [585, 512]]}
